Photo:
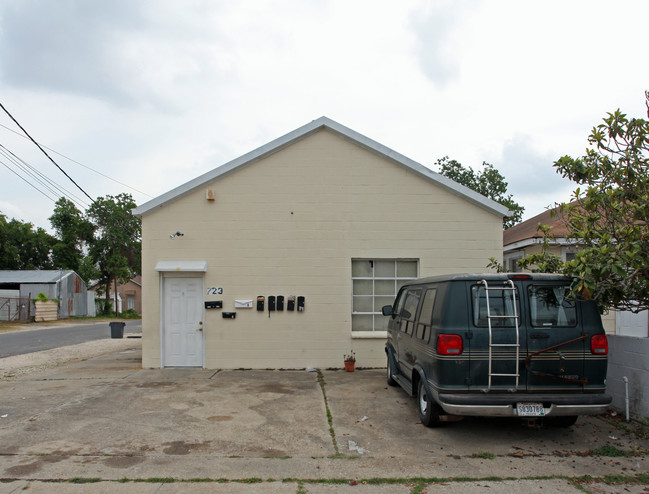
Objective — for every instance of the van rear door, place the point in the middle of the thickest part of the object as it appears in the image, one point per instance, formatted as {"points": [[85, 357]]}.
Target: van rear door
{"points": [[556, 340], [498, 337]]}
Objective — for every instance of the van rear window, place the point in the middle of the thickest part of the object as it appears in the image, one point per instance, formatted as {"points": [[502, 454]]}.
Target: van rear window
{"points": [[501, 305], [551, 307]]}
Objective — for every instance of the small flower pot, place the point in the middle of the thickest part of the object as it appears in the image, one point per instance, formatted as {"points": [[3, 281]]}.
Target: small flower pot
{"points": [[349, 366]]}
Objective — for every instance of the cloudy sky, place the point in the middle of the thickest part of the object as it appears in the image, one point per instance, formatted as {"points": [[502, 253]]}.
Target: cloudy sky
{"points": [[141, 96]]}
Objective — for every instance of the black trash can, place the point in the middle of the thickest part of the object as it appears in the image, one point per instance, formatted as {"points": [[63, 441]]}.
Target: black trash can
{"points": [[117, 329]]}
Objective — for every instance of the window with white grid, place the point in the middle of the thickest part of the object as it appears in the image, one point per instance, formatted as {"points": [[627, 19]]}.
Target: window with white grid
{"points": [[375, 283]]}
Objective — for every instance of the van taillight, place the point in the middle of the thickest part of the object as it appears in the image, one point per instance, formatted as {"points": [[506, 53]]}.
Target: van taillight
{"points": [[449, 344], [599, 344], [519, 277]]}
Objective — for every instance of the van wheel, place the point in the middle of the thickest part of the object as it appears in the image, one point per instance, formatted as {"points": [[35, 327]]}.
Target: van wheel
{"points": [[562, 421], [391, 381], [428, 411]]}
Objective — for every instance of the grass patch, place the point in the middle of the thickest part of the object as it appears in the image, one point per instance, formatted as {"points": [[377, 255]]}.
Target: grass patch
{"points": [[157, 480], [638, 427], [84, 480], [484, 455], [330, 419], [611, 451], [342, 456], [616, 479]]}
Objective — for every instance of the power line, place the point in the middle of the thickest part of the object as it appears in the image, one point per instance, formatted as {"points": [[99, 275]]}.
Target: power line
{"points": [[27, 181], [92, 201], [41, 178], [81, 164], [45, 153]]}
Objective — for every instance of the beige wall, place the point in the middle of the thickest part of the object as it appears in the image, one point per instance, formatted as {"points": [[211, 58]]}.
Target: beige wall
{"points": [[290, 225]]}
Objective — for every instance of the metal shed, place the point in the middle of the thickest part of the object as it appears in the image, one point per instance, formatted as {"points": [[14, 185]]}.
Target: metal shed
{"points": [[18, 289]]}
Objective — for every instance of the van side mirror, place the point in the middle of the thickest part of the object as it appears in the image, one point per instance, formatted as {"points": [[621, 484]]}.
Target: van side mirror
{"points": [[386, 310]]}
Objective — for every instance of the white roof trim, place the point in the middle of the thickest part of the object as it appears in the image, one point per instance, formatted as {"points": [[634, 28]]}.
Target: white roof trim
{"points": [[304, 131], [526, 242], [195, 266]]}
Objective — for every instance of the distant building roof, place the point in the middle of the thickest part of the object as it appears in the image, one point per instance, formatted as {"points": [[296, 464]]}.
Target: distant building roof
{"points": [[34, 276], [528, 229]]}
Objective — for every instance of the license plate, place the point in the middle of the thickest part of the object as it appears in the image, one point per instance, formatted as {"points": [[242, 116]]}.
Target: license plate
{"points": [[530, 409]]}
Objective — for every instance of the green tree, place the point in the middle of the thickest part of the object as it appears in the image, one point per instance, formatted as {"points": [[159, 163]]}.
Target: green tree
{"points": [[24, 247], [609, 214], [489, 182], [74, 234], [115, 250]]}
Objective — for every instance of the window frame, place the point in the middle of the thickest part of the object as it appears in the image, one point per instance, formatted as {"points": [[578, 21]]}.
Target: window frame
{"points": [[398, 282], [423, 330], [534, 319], [475, 290]]}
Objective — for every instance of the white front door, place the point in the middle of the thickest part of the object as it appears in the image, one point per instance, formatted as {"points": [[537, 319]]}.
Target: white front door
{"points": [[182, 322]]}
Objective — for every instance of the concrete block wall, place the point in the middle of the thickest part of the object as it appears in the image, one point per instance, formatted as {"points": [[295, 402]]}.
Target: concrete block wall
{"points": [[629, 357]]}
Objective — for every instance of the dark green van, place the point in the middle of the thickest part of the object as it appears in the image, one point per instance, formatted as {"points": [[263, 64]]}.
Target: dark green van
{"points": [[508, 345]]}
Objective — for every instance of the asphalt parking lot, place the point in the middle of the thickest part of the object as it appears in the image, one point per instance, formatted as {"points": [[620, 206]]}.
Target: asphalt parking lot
{"points": [[106, 425]]}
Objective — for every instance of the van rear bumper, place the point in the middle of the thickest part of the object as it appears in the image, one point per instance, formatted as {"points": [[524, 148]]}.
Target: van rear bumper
{"points": [[504, 405]]}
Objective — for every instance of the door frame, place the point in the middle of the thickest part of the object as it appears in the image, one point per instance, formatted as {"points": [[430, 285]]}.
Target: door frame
{"points": [[183, 274]]}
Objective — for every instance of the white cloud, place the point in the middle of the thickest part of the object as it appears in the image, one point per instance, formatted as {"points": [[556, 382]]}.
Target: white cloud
{"points": [[154, 93]]}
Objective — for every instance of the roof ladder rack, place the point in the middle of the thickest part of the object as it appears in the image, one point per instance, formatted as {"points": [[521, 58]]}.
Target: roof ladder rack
{"points": [[492, 317]]}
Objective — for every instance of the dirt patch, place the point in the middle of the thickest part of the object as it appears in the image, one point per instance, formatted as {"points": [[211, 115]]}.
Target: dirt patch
{"points": [[24, 470], [273, 388], [35, 466], [157, 384], [219, 418], [183, 448], [123, 461], [267, 452]]}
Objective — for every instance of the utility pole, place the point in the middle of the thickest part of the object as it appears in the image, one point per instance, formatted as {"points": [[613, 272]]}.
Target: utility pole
{"points": [[116, 308]]}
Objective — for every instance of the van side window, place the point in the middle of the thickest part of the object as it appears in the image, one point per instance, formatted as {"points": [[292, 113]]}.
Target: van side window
{"points": [[398, 303], [500, 304], [550, 307], [426, 315], [409, 311]]}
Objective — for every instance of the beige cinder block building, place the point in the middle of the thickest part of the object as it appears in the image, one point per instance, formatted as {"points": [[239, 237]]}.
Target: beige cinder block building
{"points": [[321, 227]]}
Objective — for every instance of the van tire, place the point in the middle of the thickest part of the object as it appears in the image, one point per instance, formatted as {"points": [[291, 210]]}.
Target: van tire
{"points": [[429, 411], [390, 379]]}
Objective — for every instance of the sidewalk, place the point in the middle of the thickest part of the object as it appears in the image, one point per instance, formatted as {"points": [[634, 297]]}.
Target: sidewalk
{"points": [[191, 430]]}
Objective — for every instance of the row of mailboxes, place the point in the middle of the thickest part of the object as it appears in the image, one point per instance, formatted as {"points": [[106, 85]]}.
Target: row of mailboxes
{"points": [[276, 303]]}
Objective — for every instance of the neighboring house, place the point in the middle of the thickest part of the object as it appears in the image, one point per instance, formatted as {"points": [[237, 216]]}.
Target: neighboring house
{"points": [[321, 226], [18, 289], [130, 294], [524, 239]]}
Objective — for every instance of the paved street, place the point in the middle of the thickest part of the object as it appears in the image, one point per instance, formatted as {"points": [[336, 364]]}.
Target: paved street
{"points": [[36, 339]]}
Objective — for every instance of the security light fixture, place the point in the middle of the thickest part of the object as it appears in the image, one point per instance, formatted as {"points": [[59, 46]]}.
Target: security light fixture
{"points": [[177, 234]]}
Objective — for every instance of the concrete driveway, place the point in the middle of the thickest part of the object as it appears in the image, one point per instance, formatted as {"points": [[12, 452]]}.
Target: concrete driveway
{"points": [[104, 420]]}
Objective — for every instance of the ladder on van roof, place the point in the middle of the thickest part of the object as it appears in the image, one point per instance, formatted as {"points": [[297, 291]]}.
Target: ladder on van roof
{"points": [[491, 317]]}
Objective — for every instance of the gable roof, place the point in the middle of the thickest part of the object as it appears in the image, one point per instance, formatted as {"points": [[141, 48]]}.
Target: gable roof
{"points": [[528, 230], [322, 123]]}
